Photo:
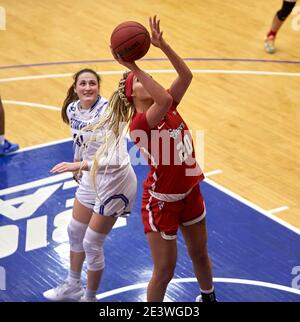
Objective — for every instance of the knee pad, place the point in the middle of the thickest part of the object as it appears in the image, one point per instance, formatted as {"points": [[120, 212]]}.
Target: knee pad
{"points": [[76, 232], [93, 247], [286, 9]]}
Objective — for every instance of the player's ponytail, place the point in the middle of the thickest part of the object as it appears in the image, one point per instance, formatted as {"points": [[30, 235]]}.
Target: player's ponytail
{"points": [[71, 97]]}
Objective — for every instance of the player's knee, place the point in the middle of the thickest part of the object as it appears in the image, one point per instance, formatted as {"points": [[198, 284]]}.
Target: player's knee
{"points": [[200, 259], [286, 9], [93, 247], [164, 275], [76, 232], [199, 250]]}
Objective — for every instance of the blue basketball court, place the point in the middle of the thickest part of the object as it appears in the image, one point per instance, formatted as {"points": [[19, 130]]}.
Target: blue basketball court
{"points": [[255, 256]]}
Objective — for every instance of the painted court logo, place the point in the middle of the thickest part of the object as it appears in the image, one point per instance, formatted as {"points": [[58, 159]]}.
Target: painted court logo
{"points": [[26, 205], [296, 279], [2, 19], [2, 279], [36, 213], [296, 20]]}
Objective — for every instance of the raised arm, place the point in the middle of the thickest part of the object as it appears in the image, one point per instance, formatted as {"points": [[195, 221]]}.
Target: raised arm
{"points": [[162, 99], [182, 82]]}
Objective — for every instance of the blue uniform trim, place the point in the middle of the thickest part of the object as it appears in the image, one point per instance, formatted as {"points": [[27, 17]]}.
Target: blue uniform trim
{"points": [[114, 197], [97, 101]]}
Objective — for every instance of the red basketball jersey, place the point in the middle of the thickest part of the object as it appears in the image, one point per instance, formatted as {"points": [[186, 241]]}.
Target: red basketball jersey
{"points": [[169, 150]]}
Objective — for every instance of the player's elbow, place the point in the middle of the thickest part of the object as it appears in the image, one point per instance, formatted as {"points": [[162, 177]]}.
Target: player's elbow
{"points": [[168, 100], [188, 78]]}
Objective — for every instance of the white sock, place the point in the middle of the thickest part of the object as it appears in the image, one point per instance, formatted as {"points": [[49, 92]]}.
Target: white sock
{"points": [[207, 291], [2, 139], [74, 277], [90, 294]]}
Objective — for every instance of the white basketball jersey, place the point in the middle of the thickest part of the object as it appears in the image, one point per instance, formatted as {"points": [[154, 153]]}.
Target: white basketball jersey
{"points": [[80, 118], [87, 143]]}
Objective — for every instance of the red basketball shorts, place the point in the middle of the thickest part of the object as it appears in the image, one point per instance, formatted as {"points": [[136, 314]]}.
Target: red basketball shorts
{"points": [[166, 217]]}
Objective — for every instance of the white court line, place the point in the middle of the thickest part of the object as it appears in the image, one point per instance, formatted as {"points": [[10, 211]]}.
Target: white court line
{"points": [[48, 107], [252, 205], [212, 173], [192, 279], [33, 147], [13, 79], [196, 71], [276, 210]]}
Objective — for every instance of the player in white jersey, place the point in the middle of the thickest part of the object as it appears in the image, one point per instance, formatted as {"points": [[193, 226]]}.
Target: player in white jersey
{"points": [[79, 118], [98, 203]]}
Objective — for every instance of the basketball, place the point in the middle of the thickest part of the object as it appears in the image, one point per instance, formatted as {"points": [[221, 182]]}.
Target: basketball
{"points": [[130, 40]]}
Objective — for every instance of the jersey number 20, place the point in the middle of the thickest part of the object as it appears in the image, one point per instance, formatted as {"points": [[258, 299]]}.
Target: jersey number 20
{"points": [[184, 148]]}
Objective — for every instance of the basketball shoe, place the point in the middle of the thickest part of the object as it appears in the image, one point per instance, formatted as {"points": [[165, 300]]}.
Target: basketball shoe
{"points": [[65, 292], [269, 44], [8, 147], [206, 298]]}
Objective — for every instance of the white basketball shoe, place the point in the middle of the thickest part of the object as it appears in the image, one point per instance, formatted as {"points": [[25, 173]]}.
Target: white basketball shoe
{"points": [[65, 292]]}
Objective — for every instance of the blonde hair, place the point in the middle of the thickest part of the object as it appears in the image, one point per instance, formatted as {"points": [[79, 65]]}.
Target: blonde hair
{"points": [[117, 118]]}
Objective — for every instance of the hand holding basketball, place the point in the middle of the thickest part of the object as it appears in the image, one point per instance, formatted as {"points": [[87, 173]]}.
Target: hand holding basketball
{"points": [[130, 40], [130, 65]]}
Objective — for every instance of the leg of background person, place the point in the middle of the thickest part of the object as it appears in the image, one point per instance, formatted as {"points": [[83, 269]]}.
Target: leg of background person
{"points": [[5, 146], [1, 122], [278, 20], [276, 24], [164, 255], [270, 37]]}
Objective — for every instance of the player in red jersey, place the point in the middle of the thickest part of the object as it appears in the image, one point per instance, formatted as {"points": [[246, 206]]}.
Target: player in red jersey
{"points": [[172, 197]]}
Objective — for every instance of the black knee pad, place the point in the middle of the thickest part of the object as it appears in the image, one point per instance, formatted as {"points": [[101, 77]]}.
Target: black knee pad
{"points": [[285, 10]]}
